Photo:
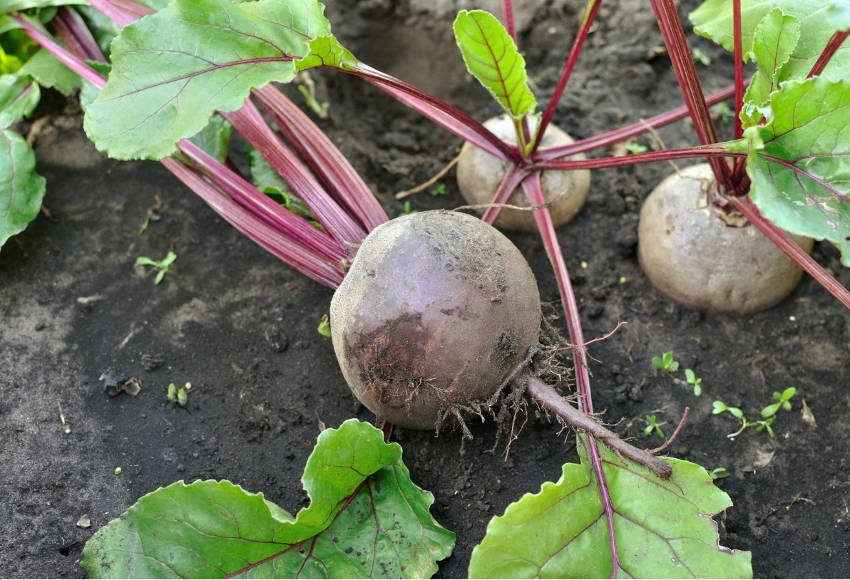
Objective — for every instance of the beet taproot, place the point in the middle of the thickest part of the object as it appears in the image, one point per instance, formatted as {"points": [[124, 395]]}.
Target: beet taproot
{"points": [[437, 310], [707, 263], [479, 174]]}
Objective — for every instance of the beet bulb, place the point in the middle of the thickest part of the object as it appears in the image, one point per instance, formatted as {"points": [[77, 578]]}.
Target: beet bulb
{"points": [[438, 310]]}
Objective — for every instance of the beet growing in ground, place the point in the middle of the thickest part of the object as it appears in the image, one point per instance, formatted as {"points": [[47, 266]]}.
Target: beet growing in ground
{"points": [[241, 327]]}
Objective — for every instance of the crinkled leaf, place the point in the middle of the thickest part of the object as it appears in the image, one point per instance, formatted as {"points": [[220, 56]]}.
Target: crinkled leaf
{"points": [[809, 129], [215, 137], [173, 69], [49, 72], [18, 97], [21, 188], [774, 40], [365, 519], [713, 19], [492, 57], [663, 528]]}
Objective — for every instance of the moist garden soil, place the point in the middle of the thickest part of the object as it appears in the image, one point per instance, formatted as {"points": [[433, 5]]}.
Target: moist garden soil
{"points": [[241, 327]]}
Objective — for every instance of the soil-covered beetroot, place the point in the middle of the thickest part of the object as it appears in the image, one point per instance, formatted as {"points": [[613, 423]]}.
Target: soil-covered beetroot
{"points": [[701, 261], [438, 310], [479, 175]]}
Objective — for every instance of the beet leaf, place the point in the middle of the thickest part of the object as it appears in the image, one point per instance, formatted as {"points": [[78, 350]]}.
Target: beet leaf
{"points": [[774, 41], [214, 138], [49, 72], [21, 188], [365, 519], [663, 528], [838, 14], [818, 20], [799, 161], [18, 97], [173, 69], [491, 56]]}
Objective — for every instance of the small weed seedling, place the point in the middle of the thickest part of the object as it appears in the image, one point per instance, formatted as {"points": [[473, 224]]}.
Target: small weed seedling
{"points": [[653, 426], [324, 327], [700, 56], [721, 407], [783, 401], [717, 473], [438, 190], [179, 396], [695, 381], [163, 266], [635, 148], [665, 363]]}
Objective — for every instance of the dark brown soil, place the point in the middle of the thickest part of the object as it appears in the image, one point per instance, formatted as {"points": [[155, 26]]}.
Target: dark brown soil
{"points": [[241, 327]]}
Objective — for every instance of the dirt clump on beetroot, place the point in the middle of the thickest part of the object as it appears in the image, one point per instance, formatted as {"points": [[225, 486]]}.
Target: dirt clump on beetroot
{"points": [[438, 311]]}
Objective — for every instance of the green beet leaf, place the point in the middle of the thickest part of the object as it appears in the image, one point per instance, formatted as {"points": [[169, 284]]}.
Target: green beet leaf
{"points": [[774, 41], [838, 14], [365, 519], [214, 138], [491, 56], [269, 181], [808, 128], [173, 69], [818, 21], [662, 528], [49, 72], [21, 188], [18, 97]]}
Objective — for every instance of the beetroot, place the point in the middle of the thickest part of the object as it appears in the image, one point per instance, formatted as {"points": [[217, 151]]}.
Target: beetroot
{"points": [[703, 262], [438, 310], [479, 175]]}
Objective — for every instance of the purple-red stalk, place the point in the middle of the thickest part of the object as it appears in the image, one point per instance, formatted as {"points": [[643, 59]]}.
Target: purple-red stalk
{"points": [[60, 52], [572, 58], [534, 193], [711, 152], [295, 227], [132, 8], [116, 14], [513, 177], [738, 56], [324, 159], [250, 124], [76, 35], [321, 266], [442, 113], [831, 47], [508, 17], [784, 242], [295, 255], [686, 74], [629, 131], [739, 165]]}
